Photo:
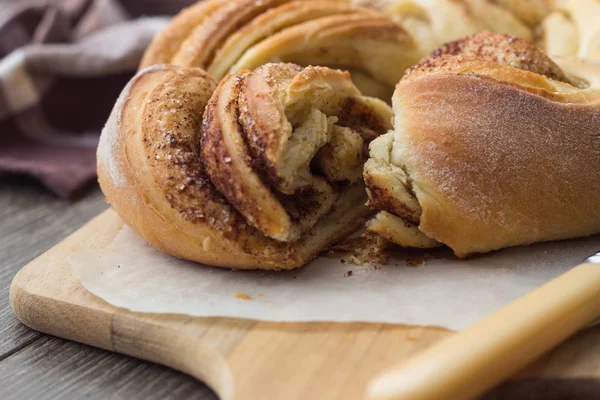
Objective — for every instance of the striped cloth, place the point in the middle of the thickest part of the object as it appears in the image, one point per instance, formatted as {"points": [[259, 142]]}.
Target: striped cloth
{"points": [[62, 65]]}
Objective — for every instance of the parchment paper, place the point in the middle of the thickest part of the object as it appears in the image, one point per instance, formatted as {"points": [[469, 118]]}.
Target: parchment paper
{"points": [[441, 292]]}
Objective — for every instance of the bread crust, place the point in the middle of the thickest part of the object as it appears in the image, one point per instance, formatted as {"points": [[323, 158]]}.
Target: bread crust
{"points": [[166, 43], [496, 155], [229, 37], [270, 23], [496, 166]]}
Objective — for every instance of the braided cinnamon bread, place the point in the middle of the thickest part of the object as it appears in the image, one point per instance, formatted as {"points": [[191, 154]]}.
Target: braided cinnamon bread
{"points": [[262, 170], [494, 145], [234, 35]]}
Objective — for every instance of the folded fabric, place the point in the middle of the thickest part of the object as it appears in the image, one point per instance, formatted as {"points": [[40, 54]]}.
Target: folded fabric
{"points": [[63, 65]]}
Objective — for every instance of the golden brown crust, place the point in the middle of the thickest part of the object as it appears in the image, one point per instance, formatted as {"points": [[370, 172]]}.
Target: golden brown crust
{"points": [[244, 34], [525, 170], [204, 40], [526, 67], [271, 22], [167, 42], [504, 49], [372, 44], [498, 156], [152, 171], [143, 184]]}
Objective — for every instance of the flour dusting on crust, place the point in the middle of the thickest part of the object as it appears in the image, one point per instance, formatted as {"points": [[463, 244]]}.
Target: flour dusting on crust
{"points": [[108, 145]]}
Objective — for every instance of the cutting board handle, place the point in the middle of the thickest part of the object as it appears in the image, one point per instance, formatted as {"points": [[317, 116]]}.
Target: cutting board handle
{"points": [[174, 348], [473, 361]]}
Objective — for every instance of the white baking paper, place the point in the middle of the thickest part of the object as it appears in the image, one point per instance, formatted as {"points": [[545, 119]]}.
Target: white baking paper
{"points": [[442, 292]]}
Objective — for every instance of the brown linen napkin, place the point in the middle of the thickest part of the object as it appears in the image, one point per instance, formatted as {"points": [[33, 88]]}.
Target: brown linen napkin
{"points": [[63, 63]]}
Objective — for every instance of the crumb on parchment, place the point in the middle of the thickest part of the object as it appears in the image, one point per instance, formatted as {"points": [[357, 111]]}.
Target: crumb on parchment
{"points": [[373, 252], [365, 249], [347, 274], [242, 296]]}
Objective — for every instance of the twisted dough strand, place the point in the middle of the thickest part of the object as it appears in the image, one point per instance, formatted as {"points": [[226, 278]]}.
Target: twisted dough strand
{"points": [[228, 37], [176, 162], [489, 150], [262, 131], [271, 22], [168, 42], [199, 48]]}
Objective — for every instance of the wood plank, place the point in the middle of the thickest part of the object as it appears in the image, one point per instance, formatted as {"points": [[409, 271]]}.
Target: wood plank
{"points": [[33, 365], [244, 359], [31, 221], [57, 369]]}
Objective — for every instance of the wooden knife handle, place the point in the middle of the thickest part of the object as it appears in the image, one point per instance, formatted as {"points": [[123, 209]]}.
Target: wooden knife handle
{"points": [[473, 361]]}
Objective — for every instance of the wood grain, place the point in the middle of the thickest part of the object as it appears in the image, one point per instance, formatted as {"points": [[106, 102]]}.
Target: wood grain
{"points": [[37, 366], [244, 359], [59, 369], [31, 221]]}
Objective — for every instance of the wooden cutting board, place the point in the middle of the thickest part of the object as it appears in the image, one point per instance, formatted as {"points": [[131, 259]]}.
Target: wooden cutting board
{"points": [[244, 359]]}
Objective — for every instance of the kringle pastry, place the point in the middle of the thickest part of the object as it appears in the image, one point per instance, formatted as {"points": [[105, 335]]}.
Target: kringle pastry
{"points": [[233, 35], [263, 170], [494, 145]]}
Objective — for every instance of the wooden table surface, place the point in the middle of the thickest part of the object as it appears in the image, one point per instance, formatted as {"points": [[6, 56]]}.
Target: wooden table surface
{"points": [[38, 366]]}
